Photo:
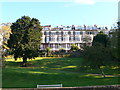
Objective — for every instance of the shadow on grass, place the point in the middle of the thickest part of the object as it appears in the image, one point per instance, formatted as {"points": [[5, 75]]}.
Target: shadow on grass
{"points": [[29, 78], [12, 64], [63, 64], [52, 71]]}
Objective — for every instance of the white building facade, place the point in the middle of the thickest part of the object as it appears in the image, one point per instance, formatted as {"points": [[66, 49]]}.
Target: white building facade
{"points": [[64, 36]]}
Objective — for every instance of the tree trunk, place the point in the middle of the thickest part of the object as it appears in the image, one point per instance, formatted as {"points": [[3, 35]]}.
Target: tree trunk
{"points": [[2, 61], [24, 61], [102, 72]]}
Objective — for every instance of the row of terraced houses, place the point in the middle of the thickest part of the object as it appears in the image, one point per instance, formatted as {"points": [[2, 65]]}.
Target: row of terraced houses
{"points": [[64, 36]]}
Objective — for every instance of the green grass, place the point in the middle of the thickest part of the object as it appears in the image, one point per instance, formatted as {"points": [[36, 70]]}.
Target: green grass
{"points": [[66, 71]]}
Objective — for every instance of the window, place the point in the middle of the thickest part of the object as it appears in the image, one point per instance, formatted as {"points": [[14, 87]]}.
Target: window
{"points": [[60, 33], [64, 39], [53, 33], [88, 28], [68, 45], [47, 39], [51, 45], [91, 28], [71, 38], [59, 39], [66, 33], [77, 33], [79, 28], [52, 39], [82, 28], [77, 38], [56, 45], [94, 28], [47, 33]]}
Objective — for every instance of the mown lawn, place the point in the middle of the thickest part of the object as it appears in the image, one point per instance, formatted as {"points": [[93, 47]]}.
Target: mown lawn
{"points": [[66, 71]]}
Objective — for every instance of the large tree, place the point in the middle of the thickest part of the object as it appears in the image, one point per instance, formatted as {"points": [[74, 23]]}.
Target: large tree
{"points": [[115, 42], [96, 56], [101, 38], [119, 40], [25, 39]]}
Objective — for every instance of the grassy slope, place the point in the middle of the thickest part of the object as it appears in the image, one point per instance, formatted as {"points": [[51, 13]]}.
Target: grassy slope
{"points": [[54, 71]]}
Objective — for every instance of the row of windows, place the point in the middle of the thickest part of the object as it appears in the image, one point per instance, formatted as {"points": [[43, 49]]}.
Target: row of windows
{"points": [[67, 33], [74, 28], [60, 46], [47, 39]]}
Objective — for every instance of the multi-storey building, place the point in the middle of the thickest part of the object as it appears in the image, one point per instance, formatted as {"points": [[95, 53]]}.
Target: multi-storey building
{"points": [[64, 36], [61, 37]]}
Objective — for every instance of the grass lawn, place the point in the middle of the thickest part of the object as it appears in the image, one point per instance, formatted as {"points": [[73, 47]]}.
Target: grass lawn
{"points": [[66, 71]]}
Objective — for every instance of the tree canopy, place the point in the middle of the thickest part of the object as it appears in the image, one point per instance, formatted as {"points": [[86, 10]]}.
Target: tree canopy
{"points": [[96, 56], [25, 38], [115, 42], [101, 38]]}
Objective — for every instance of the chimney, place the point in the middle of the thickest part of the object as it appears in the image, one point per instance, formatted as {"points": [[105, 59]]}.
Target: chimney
{"points": [[84, 26]]}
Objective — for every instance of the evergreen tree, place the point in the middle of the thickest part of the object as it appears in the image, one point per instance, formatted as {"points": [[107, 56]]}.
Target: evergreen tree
{"points": [[25, 39], [97, 56], [115, 42], [101, 38]]}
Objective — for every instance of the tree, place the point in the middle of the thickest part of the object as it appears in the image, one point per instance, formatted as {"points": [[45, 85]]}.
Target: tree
{"points": [[25, 39], [62, 52], [86, 40], [48, 51], [101, 38], [74, 47], [96, 56], [115, 42], [118, 40]]}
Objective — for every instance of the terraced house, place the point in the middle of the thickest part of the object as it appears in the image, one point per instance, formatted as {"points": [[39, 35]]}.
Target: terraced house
{"points": [[64, 36]]}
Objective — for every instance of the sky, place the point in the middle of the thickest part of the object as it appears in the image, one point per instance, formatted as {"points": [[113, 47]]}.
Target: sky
{"points": [[61, 12]]}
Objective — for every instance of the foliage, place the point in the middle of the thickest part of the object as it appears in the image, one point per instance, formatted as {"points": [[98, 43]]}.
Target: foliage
{"points": [[115, 42], [74, 47], [48, 49], [118, 40], [77, 53], [97, 56], [56, 53], [25, 38], [62, 52], [101, 38]]}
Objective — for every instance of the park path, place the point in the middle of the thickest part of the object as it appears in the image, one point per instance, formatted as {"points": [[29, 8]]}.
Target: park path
{"points": [[107, 75]]}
